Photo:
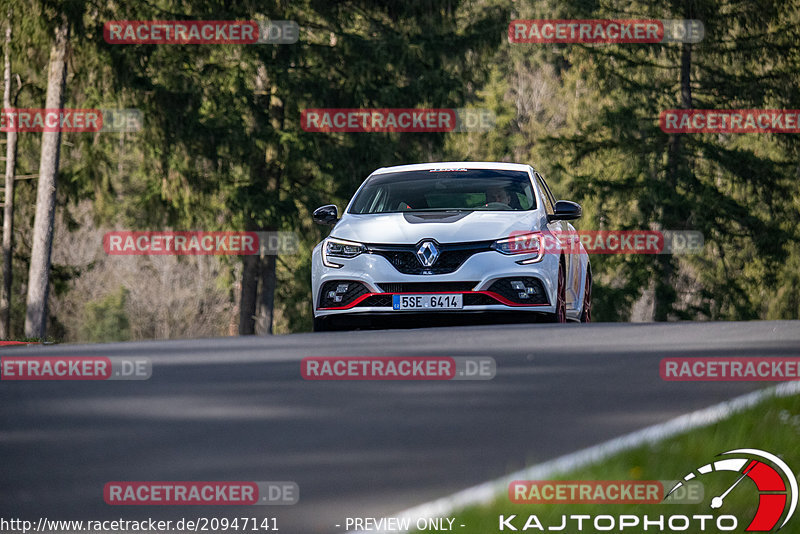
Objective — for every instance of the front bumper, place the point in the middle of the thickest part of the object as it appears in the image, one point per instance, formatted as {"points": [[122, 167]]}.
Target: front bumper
{"points": [[476, 279]]}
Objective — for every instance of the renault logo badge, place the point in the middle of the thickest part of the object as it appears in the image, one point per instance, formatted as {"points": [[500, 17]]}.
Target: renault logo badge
{"points": [[427, 253]]}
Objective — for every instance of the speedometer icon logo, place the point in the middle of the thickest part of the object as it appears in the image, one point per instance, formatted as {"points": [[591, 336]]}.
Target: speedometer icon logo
{"points": [[776, 484]]}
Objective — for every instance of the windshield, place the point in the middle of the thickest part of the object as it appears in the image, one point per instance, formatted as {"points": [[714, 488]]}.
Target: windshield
{"points": [[446, 190]]}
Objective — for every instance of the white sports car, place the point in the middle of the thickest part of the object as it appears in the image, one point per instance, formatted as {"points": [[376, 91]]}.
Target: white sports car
{"points": [[449, 238]]}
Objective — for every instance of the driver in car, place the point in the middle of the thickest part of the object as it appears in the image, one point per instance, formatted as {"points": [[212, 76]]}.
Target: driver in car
{"points": [[498, 194]]}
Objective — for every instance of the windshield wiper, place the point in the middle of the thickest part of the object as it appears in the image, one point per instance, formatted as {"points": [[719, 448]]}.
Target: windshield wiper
{"points": [[445, 210]]}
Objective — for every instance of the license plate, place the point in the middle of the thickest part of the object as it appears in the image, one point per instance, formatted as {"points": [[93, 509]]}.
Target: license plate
{"points": [[428, 302]]}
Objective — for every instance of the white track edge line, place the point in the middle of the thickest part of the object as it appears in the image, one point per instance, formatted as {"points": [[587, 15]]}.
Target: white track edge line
{"points": [[486, 492]]}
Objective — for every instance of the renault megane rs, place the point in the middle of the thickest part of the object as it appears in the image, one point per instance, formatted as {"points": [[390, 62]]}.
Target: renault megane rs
{"points": [[457, 238]]}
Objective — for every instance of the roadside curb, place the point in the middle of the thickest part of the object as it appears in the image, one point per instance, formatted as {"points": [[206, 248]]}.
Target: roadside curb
{"points": [[487, 492]]}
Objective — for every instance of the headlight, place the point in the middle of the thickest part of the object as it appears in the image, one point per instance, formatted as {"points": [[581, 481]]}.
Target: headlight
{"points": [[521, 244], [339, 248]]}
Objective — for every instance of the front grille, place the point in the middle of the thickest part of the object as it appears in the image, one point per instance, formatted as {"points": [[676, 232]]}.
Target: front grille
{"points": [[532, 293], [338, 293], [479, 299], [425, 287], [385, 301], [405, 262], [452, 255], [376, 301]]}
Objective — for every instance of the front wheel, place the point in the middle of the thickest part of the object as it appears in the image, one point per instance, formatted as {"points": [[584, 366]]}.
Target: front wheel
{"points": [[560, 316], [586, 311]]}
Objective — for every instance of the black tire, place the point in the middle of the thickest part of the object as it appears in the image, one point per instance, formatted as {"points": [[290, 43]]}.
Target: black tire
{"points": [[586, 311], [560, 316]]}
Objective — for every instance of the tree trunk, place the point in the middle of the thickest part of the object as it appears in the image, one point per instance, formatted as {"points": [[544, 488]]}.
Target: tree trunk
{"points": [[266, 295], [275, 155], [8, 208], [665, 294], [248, 299], [39, 274], [258, 271]]}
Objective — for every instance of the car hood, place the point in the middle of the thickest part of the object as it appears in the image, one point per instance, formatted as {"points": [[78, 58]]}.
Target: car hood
{"points": [[410, 228]]}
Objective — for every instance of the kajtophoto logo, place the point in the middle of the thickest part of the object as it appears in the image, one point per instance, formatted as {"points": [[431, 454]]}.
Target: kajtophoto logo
{"points": [[771, 481], [776, 485]]}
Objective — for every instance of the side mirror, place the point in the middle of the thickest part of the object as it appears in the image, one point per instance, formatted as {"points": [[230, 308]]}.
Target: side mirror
{"points": [[566, 211], [327, 215]]}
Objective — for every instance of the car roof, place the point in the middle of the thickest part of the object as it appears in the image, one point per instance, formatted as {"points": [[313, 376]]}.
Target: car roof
{"points": [[455, 165]]}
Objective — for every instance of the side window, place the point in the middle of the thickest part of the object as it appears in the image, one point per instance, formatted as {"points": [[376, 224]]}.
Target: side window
{"points": [[548, 196]]}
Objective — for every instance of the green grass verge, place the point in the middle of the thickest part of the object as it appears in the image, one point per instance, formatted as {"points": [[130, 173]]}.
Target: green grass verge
{"points": [[773, 426]]}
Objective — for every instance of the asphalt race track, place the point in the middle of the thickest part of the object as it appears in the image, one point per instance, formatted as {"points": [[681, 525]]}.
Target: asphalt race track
{"points": [[238, 409]]}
